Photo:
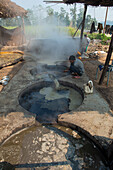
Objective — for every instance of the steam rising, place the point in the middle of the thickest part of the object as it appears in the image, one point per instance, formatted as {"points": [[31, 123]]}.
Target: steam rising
{"points": [[52, 42]]}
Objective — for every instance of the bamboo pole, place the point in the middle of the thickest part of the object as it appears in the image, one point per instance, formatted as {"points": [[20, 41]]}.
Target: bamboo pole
{"points": [[107, 61], [105, 20]]}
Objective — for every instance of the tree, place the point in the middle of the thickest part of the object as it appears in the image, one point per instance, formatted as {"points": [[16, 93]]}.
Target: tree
{"points": [[56, 14], [88, 22], [67, 20], [73, 14], [29, 19], [38, 14], [80, 17], [50, 11], [62, 15]]}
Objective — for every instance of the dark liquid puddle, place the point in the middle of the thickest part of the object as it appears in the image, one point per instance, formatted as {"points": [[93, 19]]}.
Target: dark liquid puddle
{"points": [[48, 103]]}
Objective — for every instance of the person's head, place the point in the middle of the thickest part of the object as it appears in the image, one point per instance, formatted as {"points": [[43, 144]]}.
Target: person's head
{"points": [[72, 58], [85, 35]]}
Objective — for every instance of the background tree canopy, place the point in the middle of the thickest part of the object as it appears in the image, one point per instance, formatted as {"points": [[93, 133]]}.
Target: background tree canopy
{"points": [[62, 18]]}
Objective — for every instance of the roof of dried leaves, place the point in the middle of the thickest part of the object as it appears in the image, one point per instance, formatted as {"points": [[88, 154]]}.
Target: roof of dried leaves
{"points": [[9, 9]]}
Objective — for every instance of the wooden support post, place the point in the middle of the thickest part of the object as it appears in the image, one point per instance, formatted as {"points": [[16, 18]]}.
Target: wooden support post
{"points": [[23, 25], [107, 61], [23, 29], [83, 23], [105, 21]]}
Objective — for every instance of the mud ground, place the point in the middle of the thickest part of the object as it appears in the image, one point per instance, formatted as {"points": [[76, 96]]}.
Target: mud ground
{"points": [[91, 65], [20, 73]]}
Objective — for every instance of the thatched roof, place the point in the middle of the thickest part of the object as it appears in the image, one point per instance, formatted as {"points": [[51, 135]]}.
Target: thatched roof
{"points": [[87, 2], [9, 9]]}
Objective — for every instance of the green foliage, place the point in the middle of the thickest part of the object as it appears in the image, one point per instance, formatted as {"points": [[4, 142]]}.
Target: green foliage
{"points": [[104, 42], [33, 31], [92, 36], [40, 14], [72, 30], [101, 37], [50, 11]]}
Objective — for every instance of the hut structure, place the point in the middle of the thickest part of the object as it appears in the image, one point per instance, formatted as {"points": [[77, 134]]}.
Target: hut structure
{"points": [[9, 9], [13, 37], [104, 3]]}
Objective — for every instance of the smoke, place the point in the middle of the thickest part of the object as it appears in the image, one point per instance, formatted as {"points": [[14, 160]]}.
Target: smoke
{"points": [[52, 42]]}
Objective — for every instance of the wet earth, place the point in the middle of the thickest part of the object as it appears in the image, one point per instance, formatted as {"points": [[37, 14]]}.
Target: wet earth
{"points": [[48, 102], [51, 147], [48, 147]]}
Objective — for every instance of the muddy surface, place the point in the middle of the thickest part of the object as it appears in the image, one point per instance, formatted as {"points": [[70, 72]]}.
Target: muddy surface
{"points": [[91, 65], [51, 147], [48, 102]]}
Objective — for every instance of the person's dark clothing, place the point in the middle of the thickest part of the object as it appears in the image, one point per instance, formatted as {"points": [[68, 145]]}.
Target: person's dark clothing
{"points": [[100, 27], [111, 29], [92, 27], [77, 67]]}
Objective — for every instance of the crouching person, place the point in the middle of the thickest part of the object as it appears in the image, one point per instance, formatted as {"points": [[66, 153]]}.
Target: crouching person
{"points": [[76, 67]]}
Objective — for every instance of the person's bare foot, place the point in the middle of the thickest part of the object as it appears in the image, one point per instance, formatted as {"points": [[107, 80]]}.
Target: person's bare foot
{"points": [[77, 77], [66, 71], [74, 74]]}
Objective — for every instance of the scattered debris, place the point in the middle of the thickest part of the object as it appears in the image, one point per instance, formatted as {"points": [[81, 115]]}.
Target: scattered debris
{"points": [[84, 55], [5, 80]]}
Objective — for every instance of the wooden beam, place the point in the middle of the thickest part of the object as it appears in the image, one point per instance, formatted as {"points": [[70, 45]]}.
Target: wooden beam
{"points": [[83, 23], [107, 61], [105, 21]]}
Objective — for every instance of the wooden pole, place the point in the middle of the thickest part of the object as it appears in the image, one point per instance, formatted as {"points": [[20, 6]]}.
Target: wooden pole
{"points": [[83, 23], [107, 61], [23, 25], [105, 20], [23, 29], [77, 29]]}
